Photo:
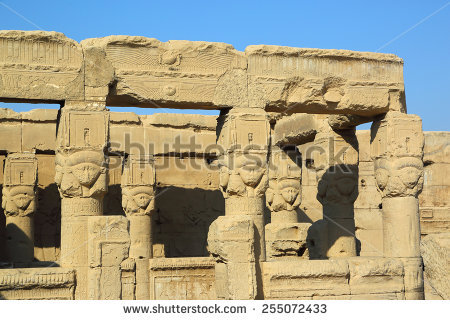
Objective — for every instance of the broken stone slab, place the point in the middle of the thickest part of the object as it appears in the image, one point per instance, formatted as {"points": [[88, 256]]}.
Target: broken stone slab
{"points": [[181, 121], [346, 121], [150, 73], [375, 275], [124, 118], [9, 114], [294, 130], [290, 80], [40, 66], [293, 279]]}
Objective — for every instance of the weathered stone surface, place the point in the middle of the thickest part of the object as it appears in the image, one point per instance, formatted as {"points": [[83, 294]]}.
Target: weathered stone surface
{"points": [[175, 188], [295, 130], [182, 279], [179, 74], [435, 251], [347, 121], [40, 65], [37, 284], [313, 80]]}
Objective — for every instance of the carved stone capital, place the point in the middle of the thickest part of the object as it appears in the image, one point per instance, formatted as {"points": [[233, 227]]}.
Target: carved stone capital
{"points": [[399, 177], [243, 174], [138, 201], [19, 185], [397, 150], [284, 192], [81, 174], [19, 201], [138, 191]]}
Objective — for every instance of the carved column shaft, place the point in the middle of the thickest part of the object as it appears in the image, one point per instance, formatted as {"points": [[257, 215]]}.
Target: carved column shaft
{"points": [[238, 240], [397, 149], [81, 176], [19, 205], [285, 236], [138, 201], [336, 163]]}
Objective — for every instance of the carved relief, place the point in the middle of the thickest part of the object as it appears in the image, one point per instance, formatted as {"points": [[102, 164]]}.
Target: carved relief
{"points": [[138, 179], [243, 174], [399, 177], [284, 192], [19, 194], [40, 65], [81, 174], [397, 150]]}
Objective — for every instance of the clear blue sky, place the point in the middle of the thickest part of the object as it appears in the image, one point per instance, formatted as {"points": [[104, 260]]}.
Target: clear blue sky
{"points": [[417, 31]]}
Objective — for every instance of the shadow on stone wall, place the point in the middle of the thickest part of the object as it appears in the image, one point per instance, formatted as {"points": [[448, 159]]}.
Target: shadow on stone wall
{"points": [[47, 224], [182, 219], [334, 235], [112, 202]]}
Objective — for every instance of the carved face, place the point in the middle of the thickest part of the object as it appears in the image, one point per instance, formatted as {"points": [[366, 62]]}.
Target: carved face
{"points": [[251, 174], [289, 194], [142, 200], [403, 176], [22, 200], [86, 173], [409, 176]]}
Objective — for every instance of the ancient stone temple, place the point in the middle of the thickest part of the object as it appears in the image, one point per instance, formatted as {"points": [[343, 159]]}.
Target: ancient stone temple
{"points": [[279, 197]]}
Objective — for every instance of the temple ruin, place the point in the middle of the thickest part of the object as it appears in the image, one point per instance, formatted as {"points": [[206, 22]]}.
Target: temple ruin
{"points": [[279, 197]]}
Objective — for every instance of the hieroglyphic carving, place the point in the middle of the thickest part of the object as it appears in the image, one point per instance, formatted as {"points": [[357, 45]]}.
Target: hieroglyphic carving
{"points": [[40, 65], [182, 278], [107, 250], [174, 72], [37, 283]]}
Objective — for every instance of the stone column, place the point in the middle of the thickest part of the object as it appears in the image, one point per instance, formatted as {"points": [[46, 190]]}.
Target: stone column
{"points": [[81, 176], [138, 201], [336, 162], [285, 236], [397, 150], [19, 205], [244, 137]]}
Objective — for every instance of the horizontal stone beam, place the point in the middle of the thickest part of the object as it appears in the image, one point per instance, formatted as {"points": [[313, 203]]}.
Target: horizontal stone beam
{"points": [[40, 66], [145, 72]]}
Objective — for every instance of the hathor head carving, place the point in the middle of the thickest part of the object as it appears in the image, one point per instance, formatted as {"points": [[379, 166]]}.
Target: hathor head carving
{"points": [[79, 174], [243, 175]]}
